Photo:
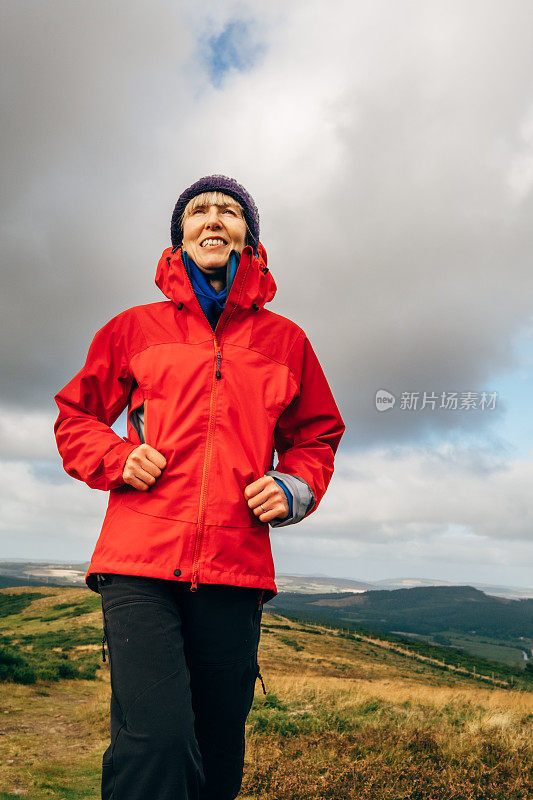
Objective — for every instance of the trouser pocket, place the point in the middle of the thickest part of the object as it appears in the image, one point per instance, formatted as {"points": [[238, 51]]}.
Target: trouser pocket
{"points": [[99, 580]]}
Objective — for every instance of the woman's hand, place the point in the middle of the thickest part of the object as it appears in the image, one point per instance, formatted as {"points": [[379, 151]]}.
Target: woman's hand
{"points": [[143, 467], [266, 491]]}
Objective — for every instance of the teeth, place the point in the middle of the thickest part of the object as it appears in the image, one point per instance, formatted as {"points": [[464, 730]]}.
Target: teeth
{"points": [[212, 242]]}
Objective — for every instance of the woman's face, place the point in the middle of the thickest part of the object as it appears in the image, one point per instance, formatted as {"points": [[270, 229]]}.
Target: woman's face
{"points": [[211, 232]]}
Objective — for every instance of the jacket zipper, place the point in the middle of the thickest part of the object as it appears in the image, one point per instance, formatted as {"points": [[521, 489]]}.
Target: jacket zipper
{"points": [[207, 459], [210, 428]]}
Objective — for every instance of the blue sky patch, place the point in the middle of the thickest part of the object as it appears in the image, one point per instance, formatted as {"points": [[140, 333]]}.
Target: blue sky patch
{"points": [[235, 48]]}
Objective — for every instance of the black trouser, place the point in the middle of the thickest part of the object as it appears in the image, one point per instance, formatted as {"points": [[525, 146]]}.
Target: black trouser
{"points": [[183, 671]]}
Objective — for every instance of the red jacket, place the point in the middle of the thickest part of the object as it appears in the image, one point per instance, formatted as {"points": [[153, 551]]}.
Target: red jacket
{"points": [[216, 405]]}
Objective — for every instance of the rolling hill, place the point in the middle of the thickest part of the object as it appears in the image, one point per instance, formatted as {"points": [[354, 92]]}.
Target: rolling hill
{"points": [[345, 716]]}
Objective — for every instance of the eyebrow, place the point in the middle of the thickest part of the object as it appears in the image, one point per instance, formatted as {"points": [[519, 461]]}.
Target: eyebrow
{"points": [[218, 205]]}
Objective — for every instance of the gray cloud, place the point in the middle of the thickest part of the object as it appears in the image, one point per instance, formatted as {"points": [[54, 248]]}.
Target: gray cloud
{"points": [[391, 174], [389, 147], [420, 494]]}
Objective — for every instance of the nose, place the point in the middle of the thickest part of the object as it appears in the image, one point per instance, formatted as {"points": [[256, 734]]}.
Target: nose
{"points": [[212, 220]]}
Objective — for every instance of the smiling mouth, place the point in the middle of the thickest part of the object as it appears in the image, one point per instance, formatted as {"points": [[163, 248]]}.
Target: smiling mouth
{"points": [[213, 242]]}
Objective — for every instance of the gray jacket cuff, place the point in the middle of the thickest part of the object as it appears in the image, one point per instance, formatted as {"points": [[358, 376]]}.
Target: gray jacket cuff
{"points": [[302, 498]]}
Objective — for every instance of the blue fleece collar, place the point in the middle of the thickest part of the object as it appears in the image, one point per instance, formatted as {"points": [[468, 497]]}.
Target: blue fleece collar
{"points": [[211, 301]]}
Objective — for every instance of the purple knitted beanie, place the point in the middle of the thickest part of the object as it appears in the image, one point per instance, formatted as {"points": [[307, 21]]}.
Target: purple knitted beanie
{"points": [[217, 183]]}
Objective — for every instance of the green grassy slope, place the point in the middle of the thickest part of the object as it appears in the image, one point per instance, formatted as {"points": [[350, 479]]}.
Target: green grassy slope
{"points": [[344, 718]]}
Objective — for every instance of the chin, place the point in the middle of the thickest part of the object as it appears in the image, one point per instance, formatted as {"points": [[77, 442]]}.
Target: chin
{"points": [[220, 262], [214, 261]]}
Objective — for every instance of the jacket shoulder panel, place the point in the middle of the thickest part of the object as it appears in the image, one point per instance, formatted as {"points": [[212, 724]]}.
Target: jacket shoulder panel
{"points": [[159, 322], [275, 336], [118, 339]]}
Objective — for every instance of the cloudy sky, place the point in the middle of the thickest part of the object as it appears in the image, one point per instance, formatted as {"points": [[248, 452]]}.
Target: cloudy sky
{"points": [[389, 147]]}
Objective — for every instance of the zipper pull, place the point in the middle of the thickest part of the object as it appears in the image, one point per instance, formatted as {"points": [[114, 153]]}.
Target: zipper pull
{"points": [[194, 584], [218, 364], [103, 648]]}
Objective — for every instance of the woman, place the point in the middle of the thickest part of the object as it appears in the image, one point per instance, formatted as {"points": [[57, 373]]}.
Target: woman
{"points": [[214, 384]]}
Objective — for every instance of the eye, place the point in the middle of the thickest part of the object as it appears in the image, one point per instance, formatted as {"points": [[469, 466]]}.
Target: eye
{"points": [[230, 211], [198, 209]]}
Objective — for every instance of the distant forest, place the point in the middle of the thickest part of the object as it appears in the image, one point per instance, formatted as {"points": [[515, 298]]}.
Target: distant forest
{"points": [[424, 610]]}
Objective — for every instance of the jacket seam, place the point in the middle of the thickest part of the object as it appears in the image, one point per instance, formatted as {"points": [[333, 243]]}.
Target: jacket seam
{"points": [[132, 353], [265, 355], [161, 344], [301, 336], [171, 341], [230, 344], [158, 516], [189, 522], [138, 321]]}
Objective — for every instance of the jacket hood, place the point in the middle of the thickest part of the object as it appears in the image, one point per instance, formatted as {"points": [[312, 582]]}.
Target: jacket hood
{"points": [[252, 286]]}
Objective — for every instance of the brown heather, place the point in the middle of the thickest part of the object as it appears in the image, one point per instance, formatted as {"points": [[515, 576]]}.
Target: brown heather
{"points": [[342, 720]]}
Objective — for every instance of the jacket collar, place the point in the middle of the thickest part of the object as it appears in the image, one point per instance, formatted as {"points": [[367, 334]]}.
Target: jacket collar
{"points": [[253, 283]]}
